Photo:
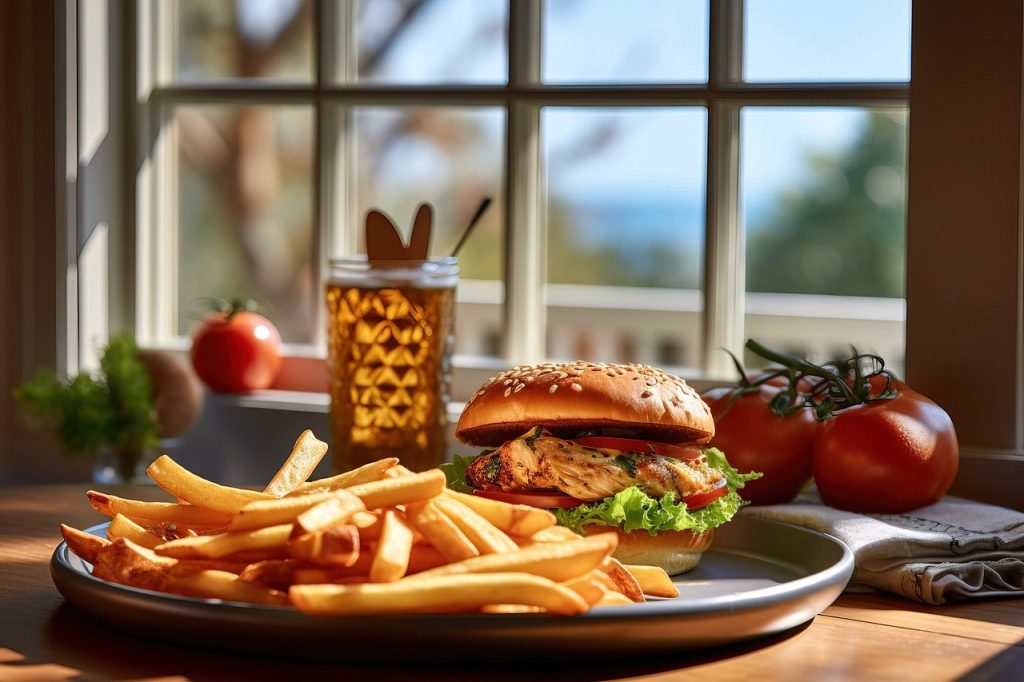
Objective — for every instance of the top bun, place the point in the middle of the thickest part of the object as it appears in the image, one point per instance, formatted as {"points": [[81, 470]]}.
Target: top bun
{"points": [[566, 398]]}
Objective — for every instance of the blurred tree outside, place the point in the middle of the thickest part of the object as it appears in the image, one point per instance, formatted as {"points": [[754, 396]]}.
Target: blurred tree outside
{"points": [[844, 232], [839, 232]]}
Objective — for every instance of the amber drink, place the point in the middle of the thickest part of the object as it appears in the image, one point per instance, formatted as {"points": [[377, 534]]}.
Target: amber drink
{"points": [[389, 345]]}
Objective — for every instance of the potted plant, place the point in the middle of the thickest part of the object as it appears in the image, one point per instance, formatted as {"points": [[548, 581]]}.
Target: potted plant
{"points": [[110, 414]]}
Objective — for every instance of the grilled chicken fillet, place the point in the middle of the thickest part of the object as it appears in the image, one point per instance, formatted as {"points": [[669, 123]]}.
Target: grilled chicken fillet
{"points": [[543, 462]]}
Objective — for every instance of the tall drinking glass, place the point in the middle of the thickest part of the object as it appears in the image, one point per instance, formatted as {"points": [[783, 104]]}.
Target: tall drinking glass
{"points": [[389, 345]]}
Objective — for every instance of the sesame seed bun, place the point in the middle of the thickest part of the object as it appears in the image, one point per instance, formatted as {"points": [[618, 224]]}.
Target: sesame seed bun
{"points": [[675, 551], [571, 397]]}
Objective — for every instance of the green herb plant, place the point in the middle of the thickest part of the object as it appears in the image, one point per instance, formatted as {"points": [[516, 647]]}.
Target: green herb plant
{"points": [[113, 409]]}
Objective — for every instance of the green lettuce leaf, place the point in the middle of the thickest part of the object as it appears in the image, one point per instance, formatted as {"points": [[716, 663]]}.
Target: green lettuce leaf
{"points": [[455, 473], [633, 510], [735, 480]]}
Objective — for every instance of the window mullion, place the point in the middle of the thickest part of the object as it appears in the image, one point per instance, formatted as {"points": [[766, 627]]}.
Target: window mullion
{"points": [[524, 224], [724, 267]]}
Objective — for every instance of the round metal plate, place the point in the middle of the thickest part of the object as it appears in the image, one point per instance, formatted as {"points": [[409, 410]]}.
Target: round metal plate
{"points": [[759, 578]]}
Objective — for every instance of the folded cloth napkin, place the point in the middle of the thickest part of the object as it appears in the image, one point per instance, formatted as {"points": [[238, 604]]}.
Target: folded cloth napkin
{"points": [[953, 550]]}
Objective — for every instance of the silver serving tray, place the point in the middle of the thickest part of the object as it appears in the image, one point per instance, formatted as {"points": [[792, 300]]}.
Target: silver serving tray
{"points": [[759, 578]]}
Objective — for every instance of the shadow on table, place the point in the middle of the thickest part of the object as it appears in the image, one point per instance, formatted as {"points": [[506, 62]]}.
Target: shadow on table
{"points": [[1004, 612], [101, 652], [1006, 665]]}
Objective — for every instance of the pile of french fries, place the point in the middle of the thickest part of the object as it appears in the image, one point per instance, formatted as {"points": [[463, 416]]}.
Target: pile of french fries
{"points": [[377, 539]]}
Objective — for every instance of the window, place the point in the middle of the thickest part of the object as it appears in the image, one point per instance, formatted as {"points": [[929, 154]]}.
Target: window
{"points": [[670, 176]]}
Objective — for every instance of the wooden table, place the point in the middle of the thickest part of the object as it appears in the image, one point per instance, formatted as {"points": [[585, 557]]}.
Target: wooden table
{"points": [[871, 637]]}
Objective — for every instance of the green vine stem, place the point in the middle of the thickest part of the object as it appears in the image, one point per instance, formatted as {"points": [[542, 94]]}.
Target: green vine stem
{"points": [[831, 390]]}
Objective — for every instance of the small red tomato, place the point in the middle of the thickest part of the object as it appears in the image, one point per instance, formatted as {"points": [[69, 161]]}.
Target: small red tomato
{"points": [[886, 456], [756, 439], [236, 351]]}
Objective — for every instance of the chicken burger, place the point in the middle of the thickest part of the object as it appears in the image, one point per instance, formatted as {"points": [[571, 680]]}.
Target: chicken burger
{"points": [[603, 446]]}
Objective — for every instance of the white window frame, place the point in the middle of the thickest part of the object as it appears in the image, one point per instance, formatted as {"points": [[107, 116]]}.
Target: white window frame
{"points": [[522, 97], [965, 266]]}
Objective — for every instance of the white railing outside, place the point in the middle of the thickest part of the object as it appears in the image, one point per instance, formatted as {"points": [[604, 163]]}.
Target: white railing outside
{"points": [[662, 326]]}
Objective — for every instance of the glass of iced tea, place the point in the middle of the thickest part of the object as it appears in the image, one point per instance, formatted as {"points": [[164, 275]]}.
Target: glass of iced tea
{"points": [[389, 343]]}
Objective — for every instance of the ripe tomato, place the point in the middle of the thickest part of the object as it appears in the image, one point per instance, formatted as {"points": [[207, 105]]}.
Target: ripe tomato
{"points": [[698, 500], [756, 439], [887, 456], [641, 446], [235, 352], [552, 500]]}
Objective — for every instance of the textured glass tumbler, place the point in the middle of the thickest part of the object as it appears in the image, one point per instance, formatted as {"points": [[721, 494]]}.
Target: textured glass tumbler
{"points": [[389, 345]]}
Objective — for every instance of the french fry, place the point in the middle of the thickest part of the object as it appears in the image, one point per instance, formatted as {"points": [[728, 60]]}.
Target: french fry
{"points": [[224, 544], [389, 492], [589, 589], [306, 574], [274, 573], [125, 562], [391, 558], [223, 585], [484, 536], [653, 580], [306, 454], [440, 531], [85, 545], [555, 561], [510, 608], [332, 512], [337, 546], [378, 539], [374, 471], [187, 515], [554, 534], [123, 527], [602, 579], [423, 558], [272, 512], [185, 485], [440, 593], [514, 519], [364, 519], [623, 579], [611, 598]]}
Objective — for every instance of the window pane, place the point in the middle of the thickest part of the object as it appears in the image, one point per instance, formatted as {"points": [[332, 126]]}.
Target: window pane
{"points": [[646, 41], [245, 212], [269, 39], [432, 41], [452, 157], [839, 40], [625, 227], [824, 206]]}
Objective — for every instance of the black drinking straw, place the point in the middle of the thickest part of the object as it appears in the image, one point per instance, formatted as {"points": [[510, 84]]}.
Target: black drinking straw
{"points": [[472, 224]]}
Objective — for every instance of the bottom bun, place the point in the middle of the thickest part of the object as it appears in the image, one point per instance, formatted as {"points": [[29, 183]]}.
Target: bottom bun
{"points": [[676, 551]]}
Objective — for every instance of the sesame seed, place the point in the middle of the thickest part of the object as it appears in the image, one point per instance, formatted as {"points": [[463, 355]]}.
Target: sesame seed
{"points": [[508, 391], [646, 394], [576, 387], [519, 387], [554, 387]]}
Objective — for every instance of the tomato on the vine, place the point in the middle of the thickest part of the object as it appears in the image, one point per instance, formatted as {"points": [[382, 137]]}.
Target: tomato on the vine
{"points": [[236, 350], [886, 456], [756, 439]]}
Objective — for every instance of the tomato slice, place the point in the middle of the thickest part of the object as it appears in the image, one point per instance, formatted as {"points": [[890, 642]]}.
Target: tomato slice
{"points": [[544, 500], [698, 500], [649, 447]]}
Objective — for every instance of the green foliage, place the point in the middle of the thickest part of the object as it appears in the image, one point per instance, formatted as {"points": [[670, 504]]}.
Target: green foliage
{"points": [[114, 409], [633, 509], [842, 233]]}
